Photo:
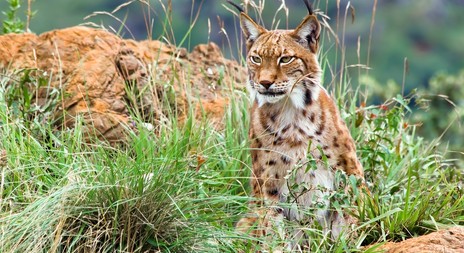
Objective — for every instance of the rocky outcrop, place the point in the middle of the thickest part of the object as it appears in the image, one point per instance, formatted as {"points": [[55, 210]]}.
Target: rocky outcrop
{"points": [[445, 241], [106, 78]]}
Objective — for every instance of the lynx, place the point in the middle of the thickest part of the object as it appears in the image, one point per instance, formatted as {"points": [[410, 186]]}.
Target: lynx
{"points": [[293, 115]]}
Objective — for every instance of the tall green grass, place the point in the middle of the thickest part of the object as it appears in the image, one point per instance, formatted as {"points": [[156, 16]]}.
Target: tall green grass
{"points": [[155, 192], [182, 188]]}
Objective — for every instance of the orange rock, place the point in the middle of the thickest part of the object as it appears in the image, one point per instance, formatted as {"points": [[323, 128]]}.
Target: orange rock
{"points": [[446, 241], [95, 68]]}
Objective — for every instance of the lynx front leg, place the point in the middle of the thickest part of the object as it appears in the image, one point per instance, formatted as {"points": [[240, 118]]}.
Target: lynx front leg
{"points": [[265, 221], [267, 217], [266, 225]]}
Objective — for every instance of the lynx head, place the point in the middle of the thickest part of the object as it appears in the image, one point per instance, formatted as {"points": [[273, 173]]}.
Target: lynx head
{"points": [[282, 64]]}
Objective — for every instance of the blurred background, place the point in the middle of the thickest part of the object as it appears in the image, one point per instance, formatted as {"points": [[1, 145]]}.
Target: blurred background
{"points": [[409, 46]]}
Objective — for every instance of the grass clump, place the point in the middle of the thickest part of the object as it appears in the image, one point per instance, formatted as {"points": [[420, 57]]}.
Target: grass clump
{"points": [[174, 191], [94, 198]]}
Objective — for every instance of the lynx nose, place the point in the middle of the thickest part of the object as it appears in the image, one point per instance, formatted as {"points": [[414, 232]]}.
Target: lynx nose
{"points": [[266, 84]]}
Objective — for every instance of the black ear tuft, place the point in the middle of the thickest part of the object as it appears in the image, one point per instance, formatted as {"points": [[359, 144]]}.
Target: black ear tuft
{"points": [[239, 8], [309, 6]]}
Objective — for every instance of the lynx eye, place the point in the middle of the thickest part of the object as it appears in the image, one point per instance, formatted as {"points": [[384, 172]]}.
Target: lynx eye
{"points": [[255, 59], [286, 59]]}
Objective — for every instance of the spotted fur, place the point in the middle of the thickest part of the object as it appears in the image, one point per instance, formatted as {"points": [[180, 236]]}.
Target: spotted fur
{"points": [[291, 115]]}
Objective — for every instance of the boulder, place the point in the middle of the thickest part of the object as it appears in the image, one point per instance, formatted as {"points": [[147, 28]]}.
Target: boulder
{"points": [[445, 241], [106, 79]]}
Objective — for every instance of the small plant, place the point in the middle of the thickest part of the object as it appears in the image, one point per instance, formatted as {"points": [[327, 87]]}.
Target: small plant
{"points": [[30, 100], [12, 23]]}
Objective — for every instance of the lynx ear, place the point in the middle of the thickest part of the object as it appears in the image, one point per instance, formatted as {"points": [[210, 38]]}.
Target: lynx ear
{"points": [[250, 28], [307, 33]]}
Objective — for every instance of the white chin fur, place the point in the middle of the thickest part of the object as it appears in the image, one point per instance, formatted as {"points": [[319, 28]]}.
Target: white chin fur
{"points": [[263, 99], [297, 97]]}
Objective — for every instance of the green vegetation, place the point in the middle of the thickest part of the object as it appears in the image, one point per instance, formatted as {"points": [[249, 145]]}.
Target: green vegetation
{"points": [[12, 23], [443, 114], [183, 188]]}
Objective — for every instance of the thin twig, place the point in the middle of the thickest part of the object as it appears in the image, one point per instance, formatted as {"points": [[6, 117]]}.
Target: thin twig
{"points": [[29, 15], [374, 8]]}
